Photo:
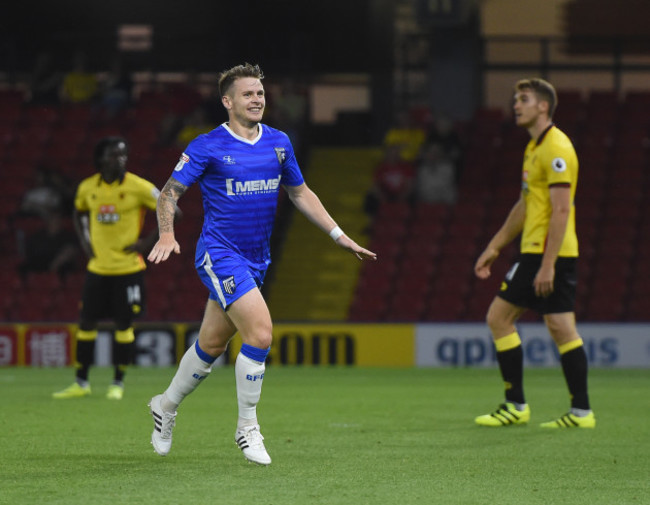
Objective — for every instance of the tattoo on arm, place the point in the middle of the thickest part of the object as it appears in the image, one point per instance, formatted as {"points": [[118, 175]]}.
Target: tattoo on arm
{"points": [[166, 209]]}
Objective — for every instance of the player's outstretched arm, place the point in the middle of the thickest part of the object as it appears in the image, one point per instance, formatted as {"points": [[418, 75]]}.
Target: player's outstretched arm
{"points": [[165, 211], [310, 205], [350, 245]]}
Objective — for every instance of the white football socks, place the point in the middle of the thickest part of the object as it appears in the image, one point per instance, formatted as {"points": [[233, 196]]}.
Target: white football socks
{"points": [[249, 375], [191, 372]]}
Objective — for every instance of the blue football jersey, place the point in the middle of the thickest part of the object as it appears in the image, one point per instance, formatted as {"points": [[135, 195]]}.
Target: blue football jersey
{"points": [[240, 182]]}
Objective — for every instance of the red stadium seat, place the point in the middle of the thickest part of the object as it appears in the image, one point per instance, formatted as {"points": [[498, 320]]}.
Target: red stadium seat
{"points": [[77, 115], [603, 98], [604, 307], [418, 266], [427, 212], [394, 211], [69, 135], [158, 305], [568, 97], [38, 114], [615, 252], [387, 250], [391, 231], [404, 308], [152, 98], [10, 280], [452, 285], [638, 308], [38, 283], [65, 309], [478, 303], [367, 309], [11, 96], [444, 309], [421, 249], [414, 281], [146, 115]]}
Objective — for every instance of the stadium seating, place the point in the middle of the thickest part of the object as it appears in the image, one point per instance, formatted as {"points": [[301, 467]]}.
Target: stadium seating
{"points": [[64, 136], [427, 251], [612, 138]]}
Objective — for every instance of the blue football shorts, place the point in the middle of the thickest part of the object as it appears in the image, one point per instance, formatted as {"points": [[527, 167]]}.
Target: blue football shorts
{"points": [[228, 278]]}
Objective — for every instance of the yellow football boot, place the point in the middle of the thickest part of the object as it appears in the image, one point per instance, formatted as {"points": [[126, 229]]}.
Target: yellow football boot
{"points": [[506, 415], [572, 421], [72, 391], [115, 392]]}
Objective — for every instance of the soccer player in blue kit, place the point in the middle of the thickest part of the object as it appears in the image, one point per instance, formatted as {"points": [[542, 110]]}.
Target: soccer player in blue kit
{"points": [[239, 167]]}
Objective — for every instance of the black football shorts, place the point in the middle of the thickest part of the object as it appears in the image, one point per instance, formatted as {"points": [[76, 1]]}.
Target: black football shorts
{"points": [[517, 287], [120, 298]]}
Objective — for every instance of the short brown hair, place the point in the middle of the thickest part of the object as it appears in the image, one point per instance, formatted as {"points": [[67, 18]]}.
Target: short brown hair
{"points": [[227, 77], [544, 91]]}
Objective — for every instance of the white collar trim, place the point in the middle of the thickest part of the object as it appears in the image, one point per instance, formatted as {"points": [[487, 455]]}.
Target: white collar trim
{"points": [[238, 137]]}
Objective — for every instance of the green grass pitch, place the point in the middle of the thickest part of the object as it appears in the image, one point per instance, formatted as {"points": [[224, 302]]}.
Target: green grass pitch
{"points": [[336, 435]]}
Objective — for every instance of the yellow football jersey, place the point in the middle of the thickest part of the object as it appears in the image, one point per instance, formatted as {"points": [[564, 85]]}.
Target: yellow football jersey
{"points": [[116, 213], [550, 160]]}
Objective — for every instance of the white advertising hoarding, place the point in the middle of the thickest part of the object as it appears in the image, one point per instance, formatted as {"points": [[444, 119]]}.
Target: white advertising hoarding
{"points": [[470, 344]]}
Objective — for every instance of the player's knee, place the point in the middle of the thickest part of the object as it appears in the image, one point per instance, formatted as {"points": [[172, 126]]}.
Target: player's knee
{"points": [[561, 330], [214, 342], [214, 349], [261, 341], [554, 329], [488, 319], [561, 336], [501, 318], [261, 336], [211, 345], [494, 321]]}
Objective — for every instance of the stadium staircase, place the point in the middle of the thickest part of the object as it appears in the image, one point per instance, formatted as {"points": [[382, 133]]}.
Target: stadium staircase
{"points": [[314, 280]]}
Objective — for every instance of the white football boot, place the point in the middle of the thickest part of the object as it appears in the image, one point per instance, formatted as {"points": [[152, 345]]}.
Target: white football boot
{"points": [[250, 441], [163, 423]]}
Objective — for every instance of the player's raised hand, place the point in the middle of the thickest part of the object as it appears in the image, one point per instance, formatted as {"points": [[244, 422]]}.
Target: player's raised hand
{"points": [[484, 262], [347, 243], [163, 248]]}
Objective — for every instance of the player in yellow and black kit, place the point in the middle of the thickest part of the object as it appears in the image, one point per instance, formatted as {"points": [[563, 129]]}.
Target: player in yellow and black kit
{"points": [[544, 278], [110, 207]]}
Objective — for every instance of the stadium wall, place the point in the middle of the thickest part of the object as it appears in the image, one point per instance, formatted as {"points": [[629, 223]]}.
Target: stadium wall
{"points": [[613, 345]]}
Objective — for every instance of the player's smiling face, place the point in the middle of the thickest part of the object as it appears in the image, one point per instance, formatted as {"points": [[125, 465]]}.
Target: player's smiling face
{"points": [[527, 108], [246, 101]]}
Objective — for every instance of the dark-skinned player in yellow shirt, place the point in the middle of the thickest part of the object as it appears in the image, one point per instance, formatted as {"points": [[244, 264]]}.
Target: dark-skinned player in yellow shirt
{"points": [[110, 207]]}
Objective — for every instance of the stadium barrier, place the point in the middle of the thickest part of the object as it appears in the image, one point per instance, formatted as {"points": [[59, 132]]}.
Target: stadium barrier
{"points": [[616, 345]]}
